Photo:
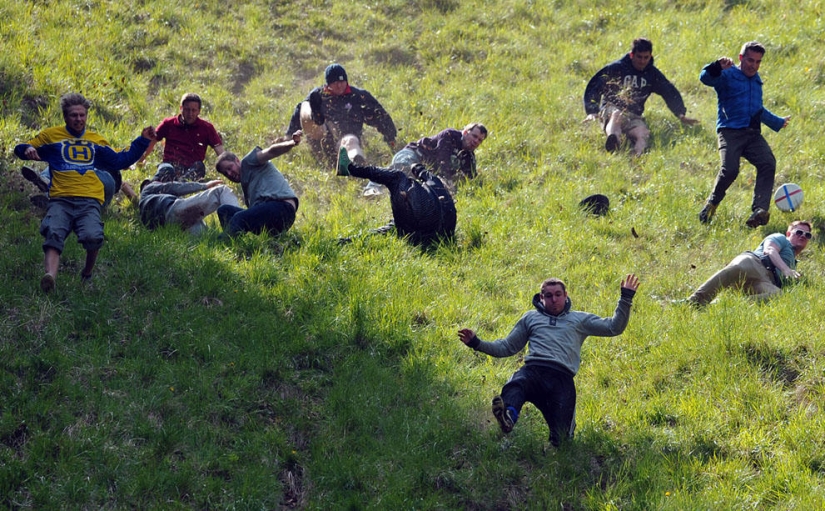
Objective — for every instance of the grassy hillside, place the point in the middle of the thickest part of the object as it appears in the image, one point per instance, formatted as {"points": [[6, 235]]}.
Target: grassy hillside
{"points": [[294, 372]]}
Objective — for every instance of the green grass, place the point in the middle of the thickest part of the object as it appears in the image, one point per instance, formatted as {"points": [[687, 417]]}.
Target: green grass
{"points": [[292, 372]]}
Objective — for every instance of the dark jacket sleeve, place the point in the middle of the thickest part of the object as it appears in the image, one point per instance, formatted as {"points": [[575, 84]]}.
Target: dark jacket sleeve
{"points": [[295, 121], [108, 159], [20, 150], [377, 117], [671, 95], [594, 90], [710, 73]]}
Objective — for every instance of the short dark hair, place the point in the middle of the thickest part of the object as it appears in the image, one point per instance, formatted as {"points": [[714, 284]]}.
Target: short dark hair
{"points": [[225, 156], [73, 99], [191, 96], [641, 44], [753, 46], [554, 282], [474, 125]]}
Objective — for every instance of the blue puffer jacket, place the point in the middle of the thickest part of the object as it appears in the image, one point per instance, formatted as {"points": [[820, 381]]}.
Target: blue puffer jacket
{"points": [[739, 98]]}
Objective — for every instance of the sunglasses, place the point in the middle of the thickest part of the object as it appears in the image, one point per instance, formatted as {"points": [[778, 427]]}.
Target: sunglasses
{"points": [[800, 232]]}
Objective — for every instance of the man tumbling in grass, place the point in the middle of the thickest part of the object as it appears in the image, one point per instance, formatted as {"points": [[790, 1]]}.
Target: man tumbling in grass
{"points": [[422, 209], [555, 335], [167, 203], [271, 202], [76, 190]]}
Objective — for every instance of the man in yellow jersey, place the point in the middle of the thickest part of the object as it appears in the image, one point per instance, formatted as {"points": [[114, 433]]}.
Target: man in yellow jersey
{"points": [[76, 192]]}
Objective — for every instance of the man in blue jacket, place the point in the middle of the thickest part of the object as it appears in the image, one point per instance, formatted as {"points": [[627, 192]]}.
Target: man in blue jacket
{"points": [[616, 95], [738, 128], [554, 335]]}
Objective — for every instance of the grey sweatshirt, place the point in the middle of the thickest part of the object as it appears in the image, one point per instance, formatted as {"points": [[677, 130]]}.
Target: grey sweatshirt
{"points": [[557, 340]]}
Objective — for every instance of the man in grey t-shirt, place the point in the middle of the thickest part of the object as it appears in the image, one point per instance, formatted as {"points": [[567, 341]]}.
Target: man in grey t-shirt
{"points": [[271, 203], [760, 273]]}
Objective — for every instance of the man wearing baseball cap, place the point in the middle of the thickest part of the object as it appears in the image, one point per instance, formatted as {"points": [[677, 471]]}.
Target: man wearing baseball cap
{"points": [[334, 115]]}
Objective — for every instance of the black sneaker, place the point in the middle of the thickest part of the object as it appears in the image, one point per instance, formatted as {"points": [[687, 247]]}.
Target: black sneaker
{"points": [[39, 201], [757, 218], [343, 162], [707, 213], [502, 415], [612, 143], [31, 175]]}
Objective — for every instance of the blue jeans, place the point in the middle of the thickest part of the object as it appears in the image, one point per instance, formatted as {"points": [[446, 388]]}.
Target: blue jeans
{"points": [[274, 217]]}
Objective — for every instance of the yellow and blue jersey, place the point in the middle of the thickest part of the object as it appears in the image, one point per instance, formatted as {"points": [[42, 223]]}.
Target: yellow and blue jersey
{"points": [[75, 160]]}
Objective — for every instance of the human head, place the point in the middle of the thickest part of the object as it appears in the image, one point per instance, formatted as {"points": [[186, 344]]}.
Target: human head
{"points": [[335, 73], [799, 241], [336, 79], [751, 57], [229, 165], [75, 109], [190, 107], [553, 296], [472, 136], [641, 51]]}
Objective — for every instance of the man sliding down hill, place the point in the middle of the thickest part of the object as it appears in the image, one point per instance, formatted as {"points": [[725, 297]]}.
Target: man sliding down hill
{"points": [[187, 137], [449, 154], [75, 115], [271, 202], [422, 208], [616, 95], [761, 273], [333, 116], [553, 334], [76, 187]]}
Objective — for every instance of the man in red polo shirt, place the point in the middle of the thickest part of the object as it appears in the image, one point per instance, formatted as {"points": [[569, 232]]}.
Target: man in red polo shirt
{"points": [[187, 136]]}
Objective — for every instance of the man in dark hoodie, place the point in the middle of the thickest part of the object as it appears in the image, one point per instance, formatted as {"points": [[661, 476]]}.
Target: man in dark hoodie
{"points": [[334, 115], [554, 335], [422, 208], [617, 93]]}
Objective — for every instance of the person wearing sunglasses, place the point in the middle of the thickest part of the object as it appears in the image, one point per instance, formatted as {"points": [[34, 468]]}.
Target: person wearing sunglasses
{"points": [[553, 334], [762, 272]]}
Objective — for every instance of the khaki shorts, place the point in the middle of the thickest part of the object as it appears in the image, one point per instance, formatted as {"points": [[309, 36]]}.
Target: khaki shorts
{"points": [[630, 121]]}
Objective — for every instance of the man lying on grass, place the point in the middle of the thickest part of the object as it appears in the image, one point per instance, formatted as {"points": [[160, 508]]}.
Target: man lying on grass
{"points": [[422, 208], [554, 335], [271, 203], [761, 273]]}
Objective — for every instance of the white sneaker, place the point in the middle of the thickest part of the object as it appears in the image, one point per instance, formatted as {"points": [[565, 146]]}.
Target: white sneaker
{"points": [[373, 189]]}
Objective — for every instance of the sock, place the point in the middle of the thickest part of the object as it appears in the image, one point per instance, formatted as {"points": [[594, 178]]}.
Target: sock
{"points": [[513, 414]]}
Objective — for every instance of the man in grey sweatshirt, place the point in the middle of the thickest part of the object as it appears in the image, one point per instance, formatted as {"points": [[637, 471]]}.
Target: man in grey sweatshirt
{"points": [[554, 335]]}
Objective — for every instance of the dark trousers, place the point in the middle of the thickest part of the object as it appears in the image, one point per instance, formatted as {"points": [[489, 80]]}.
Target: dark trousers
{"points": [[551, 390], [751, 145], [274, 217], [423, 209]]}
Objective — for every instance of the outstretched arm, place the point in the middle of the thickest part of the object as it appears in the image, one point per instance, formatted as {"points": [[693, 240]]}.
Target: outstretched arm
{"points": [[280, 147]]}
